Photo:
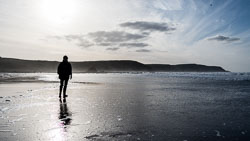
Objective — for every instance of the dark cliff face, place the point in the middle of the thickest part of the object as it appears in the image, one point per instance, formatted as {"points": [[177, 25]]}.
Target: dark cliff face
{"points": [[185, 68], [18, 65], [110, 66]]}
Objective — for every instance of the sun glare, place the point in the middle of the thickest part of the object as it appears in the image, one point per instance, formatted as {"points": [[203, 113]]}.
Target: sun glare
{"points": [[58, 11]]}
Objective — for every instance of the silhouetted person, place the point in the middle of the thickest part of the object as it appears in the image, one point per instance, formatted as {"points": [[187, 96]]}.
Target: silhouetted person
{"points": [[64, 71]]}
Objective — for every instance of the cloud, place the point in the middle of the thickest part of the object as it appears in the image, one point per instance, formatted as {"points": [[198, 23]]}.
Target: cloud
{"points": [[168, 5], [143, 50], [113, 48], [105, 38], [105, 44], [129, 45], [114, 36], [115, 39], [84, 43], [144, 26], [223, 38], [74, 37], [55, 37], [80, 40]]}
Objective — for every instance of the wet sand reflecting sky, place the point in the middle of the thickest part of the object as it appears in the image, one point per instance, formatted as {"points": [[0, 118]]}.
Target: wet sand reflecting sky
{"points": [[128, 107]]}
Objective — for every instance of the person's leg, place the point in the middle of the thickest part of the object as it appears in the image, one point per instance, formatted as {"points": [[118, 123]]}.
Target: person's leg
{"points": [[65, 87], [61, 86]]}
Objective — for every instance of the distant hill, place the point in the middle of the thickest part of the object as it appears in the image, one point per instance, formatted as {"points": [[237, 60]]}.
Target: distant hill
{"points": [[28, 66], [185, 68]]}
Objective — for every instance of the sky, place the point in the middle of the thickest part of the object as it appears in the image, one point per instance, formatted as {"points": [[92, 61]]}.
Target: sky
{"points": [[209, 32]]}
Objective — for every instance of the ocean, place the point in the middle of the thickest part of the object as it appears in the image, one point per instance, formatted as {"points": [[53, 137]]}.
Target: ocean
{"points": [[181, 106]]}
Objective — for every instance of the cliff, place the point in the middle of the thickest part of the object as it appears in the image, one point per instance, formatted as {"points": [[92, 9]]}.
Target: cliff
{"points": [[28, 66]]}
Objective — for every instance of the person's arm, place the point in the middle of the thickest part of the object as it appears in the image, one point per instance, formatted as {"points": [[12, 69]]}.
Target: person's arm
{"points": [[58, 69]]}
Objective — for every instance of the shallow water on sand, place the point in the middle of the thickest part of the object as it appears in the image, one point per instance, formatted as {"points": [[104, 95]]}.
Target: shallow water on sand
{"points": [[144, 106]]}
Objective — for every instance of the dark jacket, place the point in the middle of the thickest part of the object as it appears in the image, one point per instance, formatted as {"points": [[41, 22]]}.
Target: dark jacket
{"points": [[64, 70]]}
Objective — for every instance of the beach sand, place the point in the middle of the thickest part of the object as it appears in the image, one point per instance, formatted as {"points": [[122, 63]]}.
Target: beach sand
{"points": [[120, 111]]}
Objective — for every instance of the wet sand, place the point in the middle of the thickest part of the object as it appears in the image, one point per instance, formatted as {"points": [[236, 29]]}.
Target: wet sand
{"points": [[124, 111]]}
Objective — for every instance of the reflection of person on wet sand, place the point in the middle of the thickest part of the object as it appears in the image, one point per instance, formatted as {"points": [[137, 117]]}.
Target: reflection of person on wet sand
{"points": [[64, 114], [64, 71]]}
